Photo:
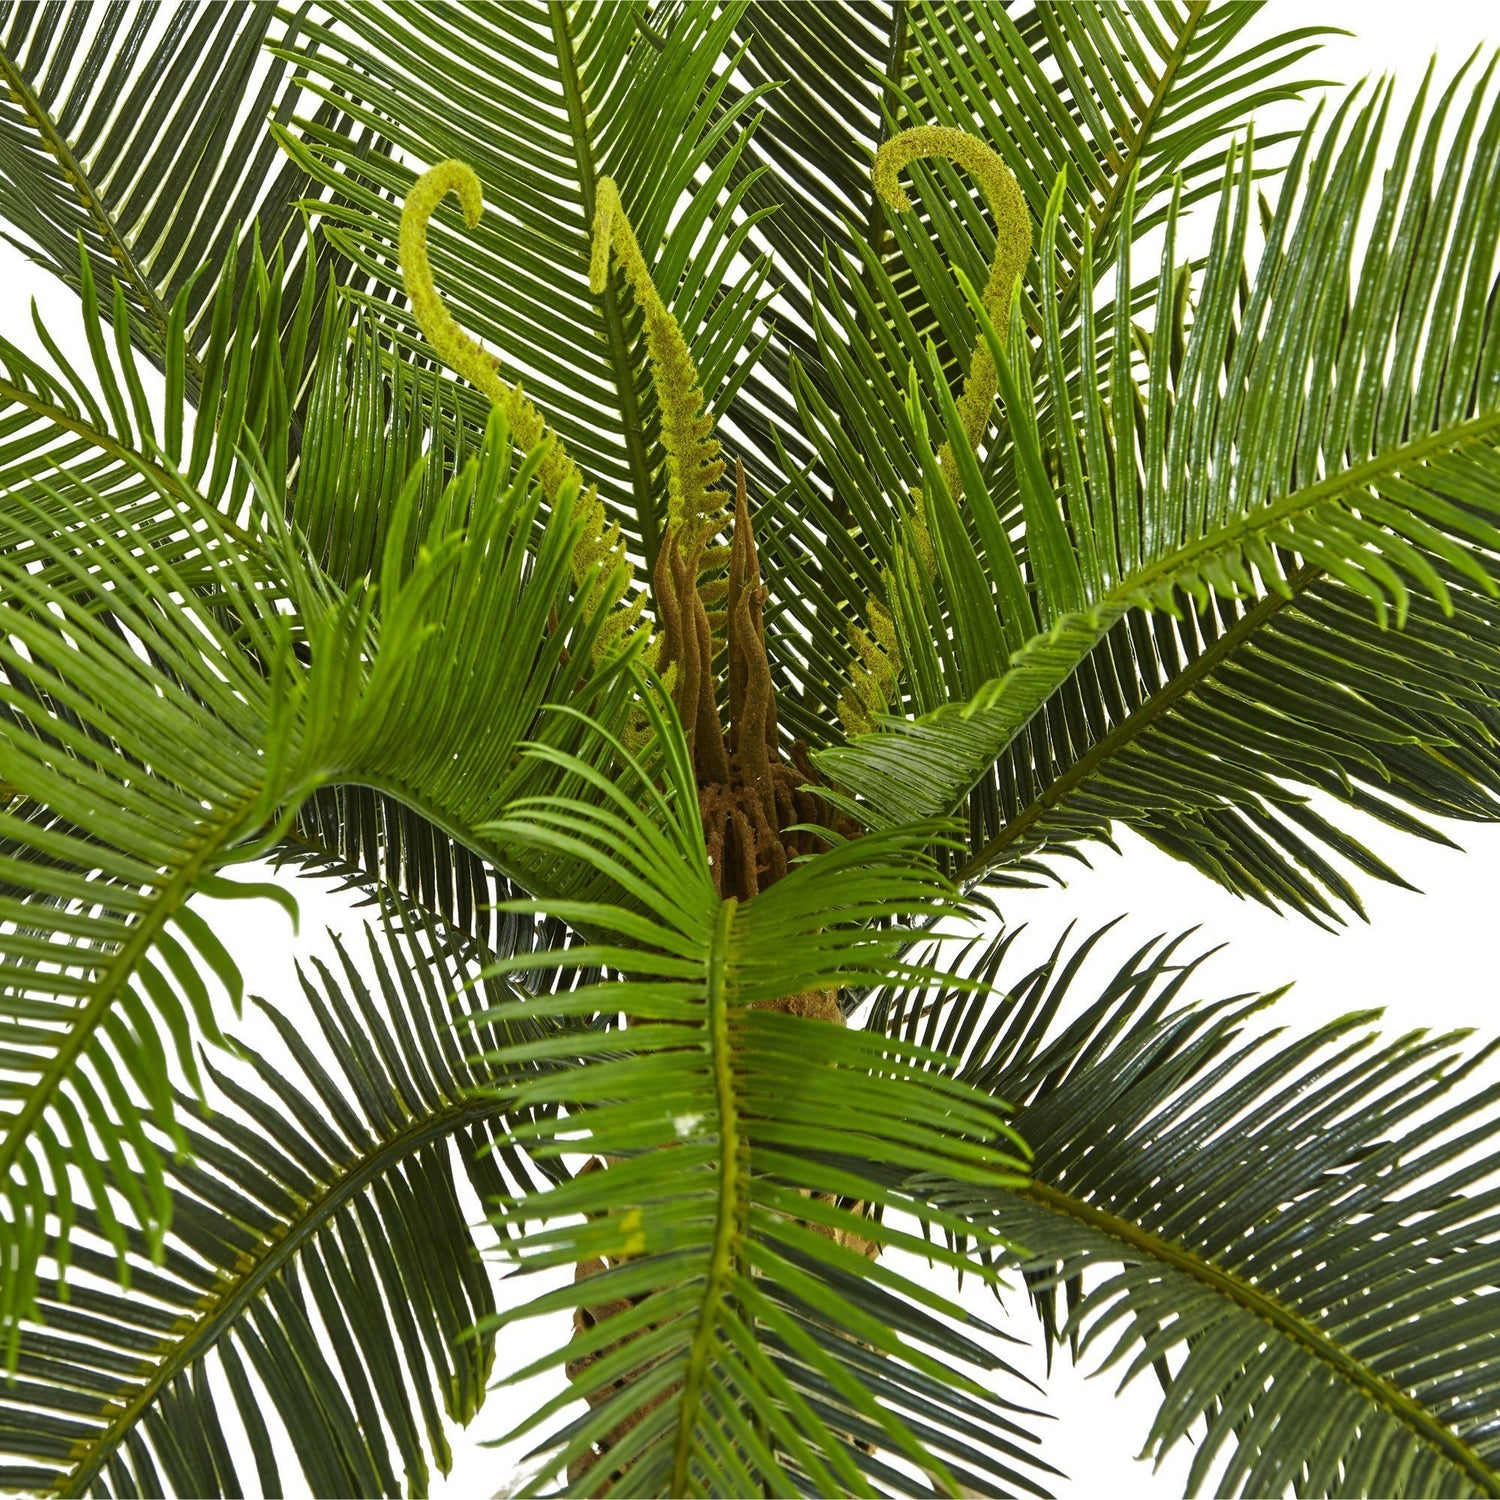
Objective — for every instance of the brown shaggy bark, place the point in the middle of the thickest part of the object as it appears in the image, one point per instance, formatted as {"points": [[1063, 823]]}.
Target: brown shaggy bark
{"points": [[749, 797]]}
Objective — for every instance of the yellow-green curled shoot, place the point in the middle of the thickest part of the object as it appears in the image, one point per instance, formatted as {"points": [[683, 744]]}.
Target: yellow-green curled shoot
{"points": [[1012, 251], [874, 676], [694, 460], [601, 548]]}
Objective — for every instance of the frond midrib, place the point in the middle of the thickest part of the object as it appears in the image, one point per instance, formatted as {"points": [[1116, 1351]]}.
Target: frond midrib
{"points": [[877, 225], [1135, 724], [1296, 502], [1285, 1320], [77, 178], [631, 424], [235, 1293], [1152, 577], [106, 443], [728, 1223]]}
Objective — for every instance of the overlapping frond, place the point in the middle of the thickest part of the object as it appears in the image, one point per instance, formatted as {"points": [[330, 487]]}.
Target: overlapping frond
{"points": [[119, 445], [1145, 90], [1212, 754], [543, 101], [738, 1136], [116, 442], [1329, 425], [1149, 89], [1297, 1234], [1217, 794], [99, 438], [319, 1275], [106, 729], [133, 140]]}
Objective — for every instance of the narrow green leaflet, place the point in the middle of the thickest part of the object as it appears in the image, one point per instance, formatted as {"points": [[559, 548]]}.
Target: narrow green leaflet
{"points": [[749, 1318], [1296, 1233], [1366, 474]]}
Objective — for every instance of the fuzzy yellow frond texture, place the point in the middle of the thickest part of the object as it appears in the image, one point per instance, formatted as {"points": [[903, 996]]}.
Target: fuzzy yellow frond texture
{"points": [[1012, 251], [600, 550], [874, 676], [872, 681], [696, 506]]}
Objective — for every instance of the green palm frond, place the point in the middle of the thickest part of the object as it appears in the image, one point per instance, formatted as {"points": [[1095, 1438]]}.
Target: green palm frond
{"points": [[96, 439], [644, 114], [750, 1316], [1144, 90], [1372, 475], [1136, 92], [134, 143], [1216, 792], [1296, 1234], [313, 1191], [291, 569], [369, 420], [1212, 756], [107, 734], [369, 423]]}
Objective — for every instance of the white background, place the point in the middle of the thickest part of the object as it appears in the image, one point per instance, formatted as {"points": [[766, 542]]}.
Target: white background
{"points": [[1428, 958]]}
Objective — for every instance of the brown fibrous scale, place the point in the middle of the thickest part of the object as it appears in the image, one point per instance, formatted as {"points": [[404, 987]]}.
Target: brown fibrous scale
{"points": [[751, 798]]}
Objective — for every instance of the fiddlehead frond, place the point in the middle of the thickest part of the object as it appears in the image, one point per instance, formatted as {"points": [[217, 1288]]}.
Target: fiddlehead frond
{"points": [[1012, 251], [456, 349], [695, 462], [691, 633], [873, 678], [600, 541]]}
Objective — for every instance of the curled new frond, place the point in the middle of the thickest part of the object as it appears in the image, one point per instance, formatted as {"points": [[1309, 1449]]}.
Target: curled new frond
{"points": [[873, 677], [456, 349], [1012, 248], [696, 506], [599, 558]]}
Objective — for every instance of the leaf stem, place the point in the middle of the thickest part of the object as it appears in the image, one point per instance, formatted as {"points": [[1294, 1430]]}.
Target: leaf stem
{"points": [[1285, 1320], [632, 421], [732, 1189], [1073, 253]]}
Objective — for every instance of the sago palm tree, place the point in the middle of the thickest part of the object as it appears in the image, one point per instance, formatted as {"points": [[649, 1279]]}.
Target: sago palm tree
{"points": [[682, 506]]}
